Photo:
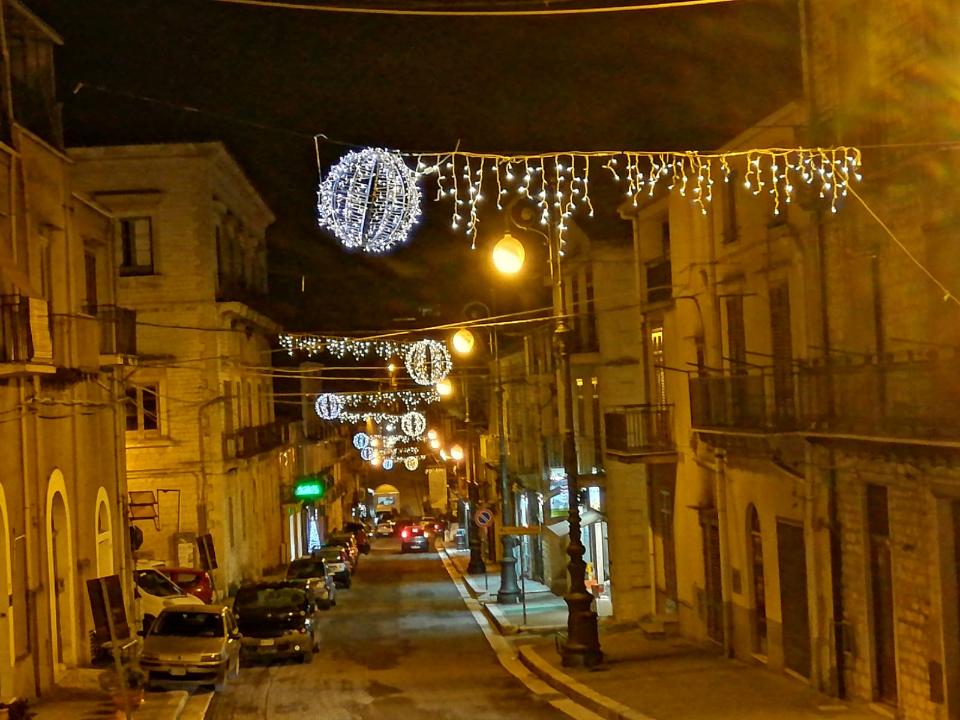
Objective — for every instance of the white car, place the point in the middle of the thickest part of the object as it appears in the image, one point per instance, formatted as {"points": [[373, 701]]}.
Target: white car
{"points": [[385, 528], [153, 591]]}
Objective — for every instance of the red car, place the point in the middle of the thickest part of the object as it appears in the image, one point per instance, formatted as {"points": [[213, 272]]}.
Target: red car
{"points": [[192, 581]]}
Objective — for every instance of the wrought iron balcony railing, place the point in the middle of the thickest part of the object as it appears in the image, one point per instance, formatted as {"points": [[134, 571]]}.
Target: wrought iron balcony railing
{"points": [[118, 329], [249, 441], [907, 396], [639, 429]]}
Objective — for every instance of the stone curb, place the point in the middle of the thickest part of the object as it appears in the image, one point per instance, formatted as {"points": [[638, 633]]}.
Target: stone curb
{"points": [[578, 692]]}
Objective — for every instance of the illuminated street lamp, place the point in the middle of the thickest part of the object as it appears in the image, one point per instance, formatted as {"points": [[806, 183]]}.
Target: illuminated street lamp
{"points": [[508, 254], [463, 342], [444, 388], [456, 452]]}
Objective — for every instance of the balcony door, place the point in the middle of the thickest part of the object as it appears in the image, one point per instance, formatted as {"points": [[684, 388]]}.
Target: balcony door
{"points": [[712, 573], [782, 351]]}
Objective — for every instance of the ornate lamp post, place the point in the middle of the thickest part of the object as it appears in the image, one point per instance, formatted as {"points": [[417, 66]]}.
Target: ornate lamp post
{"points": [[582, 647]]}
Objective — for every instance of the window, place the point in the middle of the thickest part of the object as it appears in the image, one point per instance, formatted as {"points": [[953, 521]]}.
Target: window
{"points": [[136, 246], [755, 545], [736, 335], [143, 408], [90, 280]]}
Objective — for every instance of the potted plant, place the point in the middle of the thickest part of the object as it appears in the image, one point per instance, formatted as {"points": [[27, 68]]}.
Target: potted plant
{"points": [[130, 681]]}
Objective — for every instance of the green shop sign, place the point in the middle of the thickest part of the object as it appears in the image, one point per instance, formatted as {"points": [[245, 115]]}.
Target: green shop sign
{"points": [[309, 489]]}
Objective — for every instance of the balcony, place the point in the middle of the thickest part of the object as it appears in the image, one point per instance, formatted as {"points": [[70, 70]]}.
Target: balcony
{"points": [[908, 397], [639, 430], [250, 441], [25, 343], [118, 330]]}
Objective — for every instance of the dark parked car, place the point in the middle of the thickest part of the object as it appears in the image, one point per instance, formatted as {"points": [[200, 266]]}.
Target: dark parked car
{"points": [[361, 534], [277, 619], [336, 561], [417, 537], [314, 569]]}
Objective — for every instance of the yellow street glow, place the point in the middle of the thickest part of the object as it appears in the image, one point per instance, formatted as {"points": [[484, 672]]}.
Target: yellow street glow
{"points": [[508, 255], [463, 342]]}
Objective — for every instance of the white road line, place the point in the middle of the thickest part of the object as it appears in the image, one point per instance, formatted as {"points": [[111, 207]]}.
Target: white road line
{"points": [[508, 656]]}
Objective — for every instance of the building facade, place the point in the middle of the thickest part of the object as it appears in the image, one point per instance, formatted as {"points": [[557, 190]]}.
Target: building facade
{"points": [[205, 453], [63, 342]]}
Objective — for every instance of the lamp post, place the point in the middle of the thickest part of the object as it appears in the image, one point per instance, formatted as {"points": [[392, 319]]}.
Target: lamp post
{"points": [[582, 646]]}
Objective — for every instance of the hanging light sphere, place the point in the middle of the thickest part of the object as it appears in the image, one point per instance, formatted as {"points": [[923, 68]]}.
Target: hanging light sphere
{"points": [[361, 440], [456, 452], [413, 423], [328, 406], [428, 362], [387, 464], [366, 453], [411, 463], [369, 200], [508, 255], [463, 342], [445, 388]]}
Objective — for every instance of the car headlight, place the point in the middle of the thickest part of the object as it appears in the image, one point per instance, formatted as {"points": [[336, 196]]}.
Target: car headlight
{"points": [[209, 657]]}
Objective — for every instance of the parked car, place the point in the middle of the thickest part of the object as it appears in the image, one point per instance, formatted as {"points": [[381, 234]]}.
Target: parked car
{"points": [[277, 619], [402, 524], [385, 528], [361, 535], [313, 568], [192, 581], [347, 540], [192, 644], [335, 558], [438, 525], [153, 591], [416, 537]]}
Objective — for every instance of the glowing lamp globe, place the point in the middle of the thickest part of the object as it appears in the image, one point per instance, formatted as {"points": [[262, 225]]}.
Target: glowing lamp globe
{"points": [[463, 342], [369, 200], [444, 388], [456, 452], [508, 255]]}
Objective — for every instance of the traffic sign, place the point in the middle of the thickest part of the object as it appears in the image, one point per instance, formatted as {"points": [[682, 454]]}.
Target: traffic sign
{"points": [[483, 517], [509, 530]]}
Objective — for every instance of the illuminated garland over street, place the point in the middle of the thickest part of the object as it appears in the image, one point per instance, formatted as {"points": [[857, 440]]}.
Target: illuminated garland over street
{"points": [[330, 406], [340, 347]]}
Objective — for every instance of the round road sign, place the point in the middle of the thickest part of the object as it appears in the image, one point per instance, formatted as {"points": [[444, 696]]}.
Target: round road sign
{"points": [[483, 517]]}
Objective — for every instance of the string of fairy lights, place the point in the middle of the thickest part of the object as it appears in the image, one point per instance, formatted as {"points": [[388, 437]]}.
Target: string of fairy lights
{"points": [[368, 201]]}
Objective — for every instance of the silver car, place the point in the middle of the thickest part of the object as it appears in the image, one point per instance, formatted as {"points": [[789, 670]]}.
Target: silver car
{"points": [[192, 644]]}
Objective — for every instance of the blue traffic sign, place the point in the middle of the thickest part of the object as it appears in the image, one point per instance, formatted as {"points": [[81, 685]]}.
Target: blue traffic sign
{"points": [[483, 517]]}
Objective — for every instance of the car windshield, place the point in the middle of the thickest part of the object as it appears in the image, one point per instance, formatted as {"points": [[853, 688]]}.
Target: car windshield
{"points": [[306, 569], [188, 624], [270, 598], [155, 583]]}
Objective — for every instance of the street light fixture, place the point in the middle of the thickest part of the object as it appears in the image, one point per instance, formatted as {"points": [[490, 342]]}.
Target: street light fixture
{"points": [[444, 388], [582, 646]]}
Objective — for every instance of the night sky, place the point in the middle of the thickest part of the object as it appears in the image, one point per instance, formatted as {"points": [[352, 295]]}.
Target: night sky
{"points": [[265, 81]]}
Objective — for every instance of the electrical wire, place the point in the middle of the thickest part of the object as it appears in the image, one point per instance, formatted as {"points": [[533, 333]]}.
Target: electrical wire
{"points": [[592, 10]]}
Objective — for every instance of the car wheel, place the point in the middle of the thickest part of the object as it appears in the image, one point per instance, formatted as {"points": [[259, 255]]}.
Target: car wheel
{"points": [[347, 583], [307, 657]]}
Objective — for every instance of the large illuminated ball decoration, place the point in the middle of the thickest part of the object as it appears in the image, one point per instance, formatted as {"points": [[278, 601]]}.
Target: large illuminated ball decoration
{"points": [[369, 200], [366, 453], [361, 440], [428, 362], [413, 423], [328, 406], [387, 464], [411, 463]]}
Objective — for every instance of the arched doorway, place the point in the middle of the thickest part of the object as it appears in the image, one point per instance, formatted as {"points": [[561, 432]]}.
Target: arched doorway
{"points": [[6, 609], [103, 532], [61, 571]]}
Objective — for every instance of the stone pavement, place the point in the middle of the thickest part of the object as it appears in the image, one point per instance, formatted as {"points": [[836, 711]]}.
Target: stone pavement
{"points": [[78, 696], [645, 678]]}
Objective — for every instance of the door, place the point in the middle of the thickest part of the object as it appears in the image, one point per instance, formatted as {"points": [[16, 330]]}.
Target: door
{"points": [[713, 590], [881, 591], [663, 489], [792, 559]]}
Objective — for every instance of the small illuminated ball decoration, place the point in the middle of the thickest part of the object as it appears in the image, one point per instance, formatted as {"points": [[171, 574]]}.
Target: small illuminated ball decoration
{"points": [[328, 406], [366, 453], [411, 463], [361, 440], [369, 200], [387, 464], [428, 362], [413, 423]]}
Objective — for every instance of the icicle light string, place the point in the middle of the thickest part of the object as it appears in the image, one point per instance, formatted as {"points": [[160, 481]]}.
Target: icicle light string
{"points": [[409, 398], [559, 183]]}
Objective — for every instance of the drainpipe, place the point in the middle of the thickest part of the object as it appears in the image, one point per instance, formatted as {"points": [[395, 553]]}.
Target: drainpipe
{"points": [[726, 582], [30, 525]]}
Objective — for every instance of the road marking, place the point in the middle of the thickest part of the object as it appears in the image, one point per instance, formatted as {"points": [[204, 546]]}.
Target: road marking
{"points": [[507, 655]]}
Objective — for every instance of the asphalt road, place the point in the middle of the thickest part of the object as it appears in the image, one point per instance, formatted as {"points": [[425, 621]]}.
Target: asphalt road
{"points": [[400, 645]]}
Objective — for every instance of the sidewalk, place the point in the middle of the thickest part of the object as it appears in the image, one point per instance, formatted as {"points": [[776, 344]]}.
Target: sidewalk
{"points": [[78, 696], [643, 678]]}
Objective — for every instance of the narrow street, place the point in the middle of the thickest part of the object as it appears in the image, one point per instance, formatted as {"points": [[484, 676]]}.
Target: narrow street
{"points": [[399, 644]]}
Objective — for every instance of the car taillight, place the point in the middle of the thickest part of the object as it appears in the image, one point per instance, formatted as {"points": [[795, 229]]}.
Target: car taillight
{"points": [[404, 534]]}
